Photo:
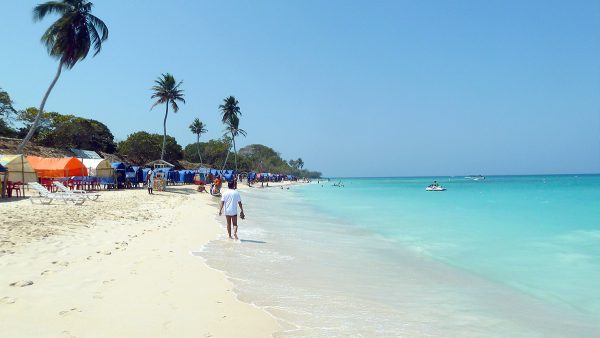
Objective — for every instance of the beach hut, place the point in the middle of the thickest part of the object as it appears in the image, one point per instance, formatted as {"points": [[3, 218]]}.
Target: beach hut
{"points": [[47, 167], [98, 167], [18, 169]]}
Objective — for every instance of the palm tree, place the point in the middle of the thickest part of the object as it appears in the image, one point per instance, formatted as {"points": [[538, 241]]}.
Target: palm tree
{"points": [[234, 129], [167, 91], [197, 127], [229, 108], [69, 39], [231, 112]]}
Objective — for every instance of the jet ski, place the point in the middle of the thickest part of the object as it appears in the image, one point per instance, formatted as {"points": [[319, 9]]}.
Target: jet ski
{"points": [[435, 188]]}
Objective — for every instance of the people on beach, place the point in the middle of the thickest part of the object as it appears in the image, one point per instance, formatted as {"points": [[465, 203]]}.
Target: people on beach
{"points": [[230, 200], [150, 181], [215, 188]]}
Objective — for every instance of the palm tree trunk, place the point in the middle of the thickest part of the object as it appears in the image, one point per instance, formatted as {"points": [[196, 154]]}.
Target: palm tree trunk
{"points": [[162, 154], [36, 122], [226, 157], [234, 152], [198, 145]]}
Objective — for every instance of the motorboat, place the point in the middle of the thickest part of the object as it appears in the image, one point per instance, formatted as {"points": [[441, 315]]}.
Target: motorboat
{"points": [[435, 188]]}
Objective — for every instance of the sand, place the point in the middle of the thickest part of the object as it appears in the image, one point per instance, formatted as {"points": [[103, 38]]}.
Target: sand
{"points": [[119, 267]]}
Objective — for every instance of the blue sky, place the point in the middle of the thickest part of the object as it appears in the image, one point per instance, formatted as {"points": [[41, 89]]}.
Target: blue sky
{"points": [[355, 88]]}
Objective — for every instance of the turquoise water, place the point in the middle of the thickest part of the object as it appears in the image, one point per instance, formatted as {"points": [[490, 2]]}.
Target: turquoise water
{"points": [[506, 256]]}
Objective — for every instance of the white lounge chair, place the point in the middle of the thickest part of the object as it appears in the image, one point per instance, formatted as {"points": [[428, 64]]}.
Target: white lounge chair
{"points": [[46, 197], [61, 187]]}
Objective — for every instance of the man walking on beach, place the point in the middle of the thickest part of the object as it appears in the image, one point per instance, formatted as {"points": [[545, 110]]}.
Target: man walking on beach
{"points": [[230, 200], [150, 181]]}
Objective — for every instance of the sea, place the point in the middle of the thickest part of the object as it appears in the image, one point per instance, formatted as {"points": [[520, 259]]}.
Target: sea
{"points": [[505, 256]]}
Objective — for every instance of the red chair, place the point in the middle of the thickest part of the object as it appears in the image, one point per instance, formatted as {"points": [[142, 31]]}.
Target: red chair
{"points": [[13, 187]]}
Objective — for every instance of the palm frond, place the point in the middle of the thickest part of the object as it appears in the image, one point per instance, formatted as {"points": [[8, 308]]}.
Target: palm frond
{"points": [[51, 7], [166, 90], [71, 37]]}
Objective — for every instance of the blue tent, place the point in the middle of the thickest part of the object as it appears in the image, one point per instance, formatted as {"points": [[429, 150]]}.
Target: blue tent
{"points": [[145, 174], [186, 176], [139, 175], [120, 169]]}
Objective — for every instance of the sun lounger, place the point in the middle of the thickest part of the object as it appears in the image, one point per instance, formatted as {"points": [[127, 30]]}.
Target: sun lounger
{"points": [[46, 197], [61, 187]]}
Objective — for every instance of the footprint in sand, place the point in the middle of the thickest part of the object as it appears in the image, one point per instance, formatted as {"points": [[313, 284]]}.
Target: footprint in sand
{"points": [[104, 252], [22, 283], [68, 334], [61, 263], [108, 281], [45, 272], [121, 245], [66, 312], [8, 300]]}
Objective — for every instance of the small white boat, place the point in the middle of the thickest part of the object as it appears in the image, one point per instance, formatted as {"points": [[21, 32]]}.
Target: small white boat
{"points": [[435, 188]]}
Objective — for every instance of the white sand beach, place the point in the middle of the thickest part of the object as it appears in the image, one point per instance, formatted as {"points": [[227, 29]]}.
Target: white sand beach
{"points": [[119, 267]]}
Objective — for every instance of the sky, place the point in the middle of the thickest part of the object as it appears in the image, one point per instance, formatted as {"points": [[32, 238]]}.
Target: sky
{"points": [[354, 88]]}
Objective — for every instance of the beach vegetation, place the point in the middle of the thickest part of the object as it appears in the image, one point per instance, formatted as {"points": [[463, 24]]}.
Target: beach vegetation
{"points": [[213, 152], [198, 128], [142, 147], [298, 164], [166, 90], [66, 131], [7, 111], [69, 39]]}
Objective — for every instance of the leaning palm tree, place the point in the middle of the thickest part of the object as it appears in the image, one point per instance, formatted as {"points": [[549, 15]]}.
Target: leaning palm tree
{"points": [[234, 129], [167, 91], [231, 111], [69, 39], [198, 128], [231, 131]]}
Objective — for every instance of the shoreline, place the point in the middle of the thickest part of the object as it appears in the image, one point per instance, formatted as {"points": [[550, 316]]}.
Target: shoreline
{"points": [[292, 240], [132, 273]]}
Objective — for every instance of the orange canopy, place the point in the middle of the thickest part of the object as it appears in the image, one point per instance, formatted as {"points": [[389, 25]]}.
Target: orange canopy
{"points": [[57, 167]]}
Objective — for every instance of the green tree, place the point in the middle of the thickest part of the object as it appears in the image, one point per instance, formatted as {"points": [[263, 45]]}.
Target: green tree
{"points": [[167, 91], [80, 133], [198, 128], [6, 104], [45, 122], [69, 39], [68, 131], [142, 147], [6, 110], [213, 152]]}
